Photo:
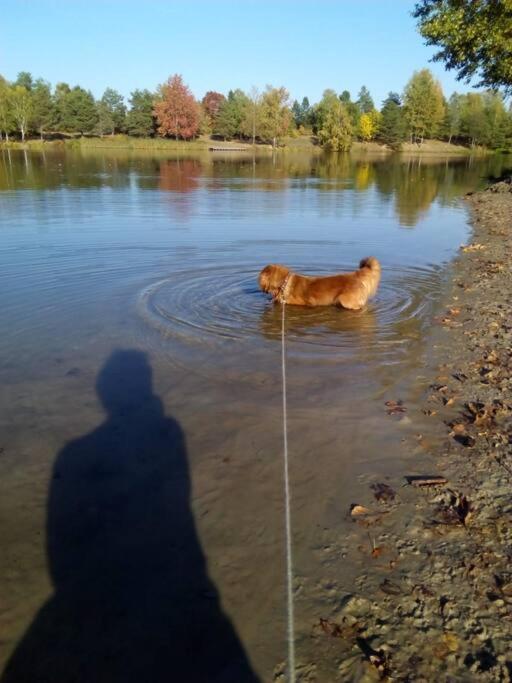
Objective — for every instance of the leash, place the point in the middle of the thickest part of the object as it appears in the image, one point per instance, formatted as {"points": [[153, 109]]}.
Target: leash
{"points": [[287, 500]]}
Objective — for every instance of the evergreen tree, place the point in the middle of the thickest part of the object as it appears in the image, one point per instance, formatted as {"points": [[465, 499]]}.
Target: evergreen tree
{"points": [[232, 113], [392, 125], [302, 113], [77, 110], [423, 105], [364, 101], [140, 120], [352, 108], [111, 112], [334, 128], [43, 111], [59, 98]]}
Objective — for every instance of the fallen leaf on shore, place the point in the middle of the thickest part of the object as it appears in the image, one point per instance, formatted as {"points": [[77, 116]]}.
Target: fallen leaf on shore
{"points": [[377, 552], [395, 407], [358, 510], [383, 492], [454, 311], [451, 641], [418, 480]]}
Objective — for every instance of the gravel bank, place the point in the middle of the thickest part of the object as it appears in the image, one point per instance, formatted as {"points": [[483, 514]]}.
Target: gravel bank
{"points": [[441, 607]]}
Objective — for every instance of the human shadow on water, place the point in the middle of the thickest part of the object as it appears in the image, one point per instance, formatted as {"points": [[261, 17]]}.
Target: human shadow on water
{"points": [[132, 597]]}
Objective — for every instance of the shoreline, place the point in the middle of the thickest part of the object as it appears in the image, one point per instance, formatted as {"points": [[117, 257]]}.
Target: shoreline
{"points": [[293, 145], [440, 607]]}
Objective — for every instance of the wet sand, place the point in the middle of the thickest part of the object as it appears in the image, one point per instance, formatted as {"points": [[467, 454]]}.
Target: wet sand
{"points": [[434, 601]]}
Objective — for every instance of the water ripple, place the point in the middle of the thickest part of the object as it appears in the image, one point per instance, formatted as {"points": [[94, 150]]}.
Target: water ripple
{"points": [[209, 307]]}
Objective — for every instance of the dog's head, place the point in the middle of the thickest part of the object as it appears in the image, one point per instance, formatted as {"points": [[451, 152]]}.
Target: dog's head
{"points": [[370, 268], [272, 277]]}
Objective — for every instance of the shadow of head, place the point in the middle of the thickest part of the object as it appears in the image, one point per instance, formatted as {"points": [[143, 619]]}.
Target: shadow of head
{"points": [[125, 381]]}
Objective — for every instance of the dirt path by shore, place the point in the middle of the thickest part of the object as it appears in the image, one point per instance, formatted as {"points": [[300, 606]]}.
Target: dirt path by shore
{"points": [[442, 608]]}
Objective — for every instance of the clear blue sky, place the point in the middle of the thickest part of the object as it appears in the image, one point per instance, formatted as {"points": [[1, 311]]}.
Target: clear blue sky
{"points": [[217, 45]]}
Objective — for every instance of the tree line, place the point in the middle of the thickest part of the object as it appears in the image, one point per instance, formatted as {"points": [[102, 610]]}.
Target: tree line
{"points": [[421, 111]]}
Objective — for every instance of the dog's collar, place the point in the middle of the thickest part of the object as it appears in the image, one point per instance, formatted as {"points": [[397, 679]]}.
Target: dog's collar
{"points": [[280, 296]]}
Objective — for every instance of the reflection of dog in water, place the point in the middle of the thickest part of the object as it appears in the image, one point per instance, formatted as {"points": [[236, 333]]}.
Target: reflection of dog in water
{"points": [[348, 290]]}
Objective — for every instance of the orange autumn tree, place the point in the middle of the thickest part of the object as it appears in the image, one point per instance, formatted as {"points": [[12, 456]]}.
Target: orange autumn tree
{"points": [[176, 110]]}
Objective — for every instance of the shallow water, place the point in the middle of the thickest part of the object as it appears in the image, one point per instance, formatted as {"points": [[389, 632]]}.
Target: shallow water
{"points": [[141, 490]]}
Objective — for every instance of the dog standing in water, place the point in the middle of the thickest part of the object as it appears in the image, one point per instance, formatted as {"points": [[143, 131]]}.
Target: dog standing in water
{"points": [[347, 290]]}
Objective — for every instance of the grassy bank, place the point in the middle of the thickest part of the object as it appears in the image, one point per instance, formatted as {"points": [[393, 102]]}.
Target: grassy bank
{"points": [[303, 143]]}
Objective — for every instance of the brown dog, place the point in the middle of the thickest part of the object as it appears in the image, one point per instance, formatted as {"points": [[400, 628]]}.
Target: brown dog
{"points": [[348, 290]]}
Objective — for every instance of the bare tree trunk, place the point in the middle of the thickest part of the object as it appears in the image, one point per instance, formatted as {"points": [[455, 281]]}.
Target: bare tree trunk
{"points": [[41, 133], [22, 129]]}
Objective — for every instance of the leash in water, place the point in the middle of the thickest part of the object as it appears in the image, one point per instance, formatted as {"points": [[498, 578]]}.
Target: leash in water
{"points": [[289, 563]]}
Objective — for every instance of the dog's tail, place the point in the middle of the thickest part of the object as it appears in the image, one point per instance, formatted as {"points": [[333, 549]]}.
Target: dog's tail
{"points": [[370, 262]]}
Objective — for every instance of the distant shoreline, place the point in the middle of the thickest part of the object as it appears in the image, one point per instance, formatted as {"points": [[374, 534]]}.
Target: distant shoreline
{"points": [[304, 143]]}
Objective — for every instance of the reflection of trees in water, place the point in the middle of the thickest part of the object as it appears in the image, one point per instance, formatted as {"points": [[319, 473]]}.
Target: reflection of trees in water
{"points": [[180, 176], [412, 182]]}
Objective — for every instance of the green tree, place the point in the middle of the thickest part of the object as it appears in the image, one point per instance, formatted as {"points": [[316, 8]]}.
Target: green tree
{"points": [[497, 119], [452, 119], [364, 101], [232, 113], [7, 123], [351, 107], [43, 111], [392, 124], [423, 105], [334, 128], [474, 122], [274, 115], [140, 120], [59, 98], [111, 112], [24, 79], [21, 107], [474, 37], [251, 122], [77, 110], [302, 112]]}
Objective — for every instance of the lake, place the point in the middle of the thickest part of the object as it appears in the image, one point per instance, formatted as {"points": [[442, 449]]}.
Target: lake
{"points": [[142, 519]]}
